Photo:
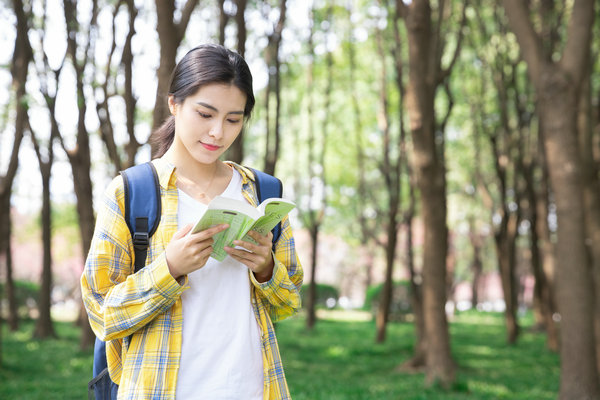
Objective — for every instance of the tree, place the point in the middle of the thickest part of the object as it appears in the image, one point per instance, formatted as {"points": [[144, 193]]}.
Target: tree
{"points": [[390, 168], [124, 157], [558, 89], [170, 35], [22, 55], [79, 155], [426, 74], [273, 89], [43, 326], [314, 216], [236, 150]]}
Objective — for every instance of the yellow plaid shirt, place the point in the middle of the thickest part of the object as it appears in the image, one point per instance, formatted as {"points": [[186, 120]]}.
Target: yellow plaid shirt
{"points": [[147, 305]]}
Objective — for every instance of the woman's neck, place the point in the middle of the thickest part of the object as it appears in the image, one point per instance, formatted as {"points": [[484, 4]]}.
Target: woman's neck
{"points": [[201, 181]]}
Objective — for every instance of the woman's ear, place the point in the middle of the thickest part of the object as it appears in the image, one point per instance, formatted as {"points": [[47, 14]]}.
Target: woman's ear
{"points": [[172, 105]]}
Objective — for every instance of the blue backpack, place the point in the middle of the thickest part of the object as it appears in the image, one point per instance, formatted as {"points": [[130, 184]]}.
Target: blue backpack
{"points": [[142, 214]]}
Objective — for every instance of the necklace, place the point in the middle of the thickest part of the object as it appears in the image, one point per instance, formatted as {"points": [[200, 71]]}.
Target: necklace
{"points": [[191, 188]]}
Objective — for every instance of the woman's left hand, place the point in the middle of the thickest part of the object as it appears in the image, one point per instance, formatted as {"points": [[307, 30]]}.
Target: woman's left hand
{"points": [[257, 257]]}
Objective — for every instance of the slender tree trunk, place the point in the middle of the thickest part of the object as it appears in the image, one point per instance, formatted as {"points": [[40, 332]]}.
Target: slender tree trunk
{"points": [[236, 150], [6, 258], [557, 87], [431, 180], [274, 87], [170, 34], [240, 19], [506, 249], [132, 147], [477, 263], [44, 327], [79, 156], [390, 169], [223, 19], [22, 56], [591, 198], [542, 293], [311, 315], [316, 161]]}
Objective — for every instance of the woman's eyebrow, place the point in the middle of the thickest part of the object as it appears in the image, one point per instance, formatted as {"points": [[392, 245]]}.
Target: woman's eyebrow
{"points": [[215, 109]]}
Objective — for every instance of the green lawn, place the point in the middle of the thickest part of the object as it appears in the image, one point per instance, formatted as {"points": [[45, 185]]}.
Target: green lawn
{"points": [[337, 360]]}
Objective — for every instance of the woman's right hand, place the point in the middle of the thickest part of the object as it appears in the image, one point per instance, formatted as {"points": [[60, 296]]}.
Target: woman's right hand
{"points": [[186, 254]]}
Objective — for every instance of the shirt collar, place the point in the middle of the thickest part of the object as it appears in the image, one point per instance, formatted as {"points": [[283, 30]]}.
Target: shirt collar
{"points": [[167, 176]]}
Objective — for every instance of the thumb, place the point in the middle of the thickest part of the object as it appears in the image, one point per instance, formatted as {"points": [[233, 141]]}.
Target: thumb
{"points": [[183, 231]]}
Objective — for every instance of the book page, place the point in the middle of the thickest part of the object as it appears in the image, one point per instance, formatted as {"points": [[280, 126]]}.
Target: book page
{"points": [[275, 210], [239, 225]]}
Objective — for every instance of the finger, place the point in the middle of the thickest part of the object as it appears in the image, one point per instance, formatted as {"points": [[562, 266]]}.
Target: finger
{"points": [[251, 247], [210, 232], [262, 239], [183, 231], [240, 254]]}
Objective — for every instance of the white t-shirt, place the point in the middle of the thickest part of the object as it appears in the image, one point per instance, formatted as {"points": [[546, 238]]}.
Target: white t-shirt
{"points": [[221, 357]]}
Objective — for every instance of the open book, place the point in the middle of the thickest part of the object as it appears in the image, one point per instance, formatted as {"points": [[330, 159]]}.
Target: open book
{"points": [[241, 218]]}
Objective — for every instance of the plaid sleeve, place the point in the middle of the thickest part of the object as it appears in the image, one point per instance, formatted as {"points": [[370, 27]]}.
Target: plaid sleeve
{"points": [[118, 302], [281, 294]]}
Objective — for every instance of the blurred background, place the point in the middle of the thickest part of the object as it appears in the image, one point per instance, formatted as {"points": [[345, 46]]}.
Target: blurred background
{"points": [[443, 155]]}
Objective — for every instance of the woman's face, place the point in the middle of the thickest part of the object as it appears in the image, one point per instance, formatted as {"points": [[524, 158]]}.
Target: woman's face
{"points": [[207, 122]]}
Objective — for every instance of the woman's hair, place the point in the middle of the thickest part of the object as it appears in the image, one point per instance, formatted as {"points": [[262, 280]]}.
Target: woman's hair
{"points": [[203, 65]]}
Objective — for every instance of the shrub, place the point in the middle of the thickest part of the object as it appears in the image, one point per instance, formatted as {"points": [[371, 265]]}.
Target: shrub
{"points": [[400, 306], [324, 292], [26, 294]]}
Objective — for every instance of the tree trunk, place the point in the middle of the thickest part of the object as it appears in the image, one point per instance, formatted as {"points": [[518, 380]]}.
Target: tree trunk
{"points": [[311, 315], [431, 180], [43, 327], [223, 19], [477, 263], [385, 301], [591, 187], [506, 249], [557, 86], [573, 275], [548, 251], [22, 56], [170, 34], [6, 255], [79, 156], [313, 219], [240, 19], [274, 87], [390, 170]]}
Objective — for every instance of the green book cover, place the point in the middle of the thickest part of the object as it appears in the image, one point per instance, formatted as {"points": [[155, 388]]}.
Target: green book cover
{"points": [[241, 218]]}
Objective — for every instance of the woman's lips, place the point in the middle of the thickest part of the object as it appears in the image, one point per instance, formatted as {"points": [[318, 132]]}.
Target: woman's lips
{"points": [[210, 147]]}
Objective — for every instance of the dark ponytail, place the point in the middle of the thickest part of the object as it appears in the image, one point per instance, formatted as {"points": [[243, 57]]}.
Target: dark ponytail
{"points": [[203, 65]]}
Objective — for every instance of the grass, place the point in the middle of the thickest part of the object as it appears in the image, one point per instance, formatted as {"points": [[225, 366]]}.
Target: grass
{"points": [[337, 360]]}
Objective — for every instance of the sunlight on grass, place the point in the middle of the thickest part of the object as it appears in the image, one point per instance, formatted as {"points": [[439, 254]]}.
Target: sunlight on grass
{"points": [[337, 360]]}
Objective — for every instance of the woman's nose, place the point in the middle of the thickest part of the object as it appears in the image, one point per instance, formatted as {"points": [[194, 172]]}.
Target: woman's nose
{"points": [[216, 130]]}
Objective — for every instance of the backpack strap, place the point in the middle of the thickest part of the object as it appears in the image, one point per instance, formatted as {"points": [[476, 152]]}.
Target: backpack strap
{"points": [[268, 186], [142, 208]]}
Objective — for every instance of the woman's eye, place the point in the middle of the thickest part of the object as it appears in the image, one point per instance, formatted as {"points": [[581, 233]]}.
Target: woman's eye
{"points": [[203, 115], [233, 121]]}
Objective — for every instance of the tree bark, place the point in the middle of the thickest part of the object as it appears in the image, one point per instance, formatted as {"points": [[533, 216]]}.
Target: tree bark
{"points": [[591, 198], [424, 77], [313, 219], [273, 88], [79, 156], [390, 170], [43, 327], [170, 34], [240, 20], [22, 56], [557, 86], [121, 157]]}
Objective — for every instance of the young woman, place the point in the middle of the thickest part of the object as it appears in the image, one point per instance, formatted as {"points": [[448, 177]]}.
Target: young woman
{"points": [[187, 326]]}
